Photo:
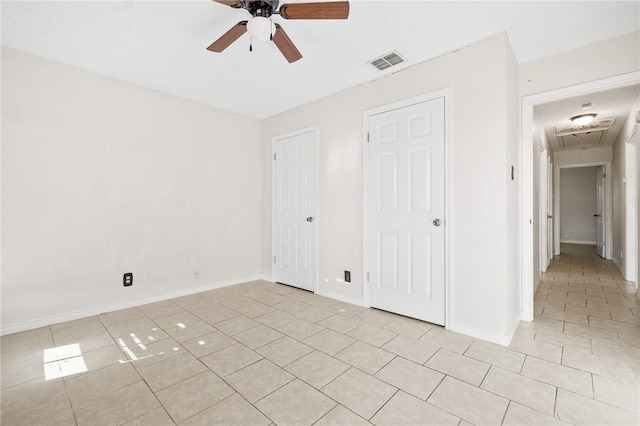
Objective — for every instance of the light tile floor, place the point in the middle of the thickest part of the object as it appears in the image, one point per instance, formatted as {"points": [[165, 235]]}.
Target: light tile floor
{"points": [[261, 353]]}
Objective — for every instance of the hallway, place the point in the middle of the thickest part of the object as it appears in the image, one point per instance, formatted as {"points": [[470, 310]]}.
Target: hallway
{"points": [[589, 318]]}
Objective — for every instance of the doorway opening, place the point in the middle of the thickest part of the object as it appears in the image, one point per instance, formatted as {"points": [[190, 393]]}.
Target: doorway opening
{"points": [[527, 239], [581, 214]]}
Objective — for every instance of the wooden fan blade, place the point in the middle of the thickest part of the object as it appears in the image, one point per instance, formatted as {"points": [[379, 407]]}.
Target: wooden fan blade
{"points": [[236, 4], [328, 10], [229, 37], [285, 45]]}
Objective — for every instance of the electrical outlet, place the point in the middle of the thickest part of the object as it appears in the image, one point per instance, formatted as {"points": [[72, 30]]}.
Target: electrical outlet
{"points": [[127, 279], [347, 276], [196, 274]]}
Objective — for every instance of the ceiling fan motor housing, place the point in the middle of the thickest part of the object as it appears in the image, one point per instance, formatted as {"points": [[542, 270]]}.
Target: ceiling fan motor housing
{"points": [[263, 8]]}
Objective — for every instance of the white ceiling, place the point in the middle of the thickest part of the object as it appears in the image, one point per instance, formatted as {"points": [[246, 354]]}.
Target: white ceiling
{"points": [[161, 45], [611, 103]]}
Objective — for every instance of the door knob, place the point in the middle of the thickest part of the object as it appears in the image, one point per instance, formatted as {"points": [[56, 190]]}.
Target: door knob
{"points": [[437, 222], [310, 219]]}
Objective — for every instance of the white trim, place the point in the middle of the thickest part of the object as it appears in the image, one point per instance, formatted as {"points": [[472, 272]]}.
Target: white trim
{"points": [[267, 277], [448, 206], [447, 94], [592, 243], [618, 265], [97, 310], [537, 283], [341, 297], [526, 145], [316, 214], [500, 339]]}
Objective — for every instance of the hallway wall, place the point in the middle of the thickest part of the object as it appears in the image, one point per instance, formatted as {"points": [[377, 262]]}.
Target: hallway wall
{"points": [[624, 201]]}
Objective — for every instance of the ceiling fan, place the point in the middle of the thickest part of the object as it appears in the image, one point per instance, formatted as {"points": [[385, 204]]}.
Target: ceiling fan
{"points": [[262, 28]]}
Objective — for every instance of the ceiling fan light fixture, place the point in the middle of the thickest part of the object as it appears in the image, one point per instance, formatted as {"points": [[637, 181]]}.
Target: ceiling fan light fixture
{"points": [[583, 119], [260, 28]]}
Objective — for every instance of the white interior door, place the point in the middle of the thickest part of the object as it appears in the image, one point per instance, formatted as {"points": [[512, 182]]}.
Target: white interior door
{"points": [[549, 211], [599, 214], [406, 210], [295, 209]]}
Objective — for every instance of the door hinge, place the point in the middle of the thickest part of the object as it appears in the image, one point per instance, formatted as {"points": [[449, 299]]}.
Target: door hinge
{"points": [[367, 276], [274, 259], [368, 137], [274, 156]]}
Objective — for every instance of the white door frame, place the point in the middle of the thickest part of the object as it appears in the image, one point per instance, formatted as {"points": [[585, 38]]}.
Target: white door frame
{"points": [[448, 231], [549, 201], [607, 209], [316, 216], [526, 191]]}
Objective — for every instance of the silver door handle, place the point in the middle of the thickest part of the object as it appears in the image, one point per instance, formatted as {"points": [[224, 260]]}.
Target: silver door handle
{"points": [[437, 222], [549, 217], [310, 219]]}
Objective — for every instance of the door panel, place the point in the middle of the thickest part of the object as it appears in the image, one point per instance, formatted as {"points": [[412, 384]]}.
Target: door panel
{"points": [[549, 212], [295, 202], [406, 196], [599, 211]]}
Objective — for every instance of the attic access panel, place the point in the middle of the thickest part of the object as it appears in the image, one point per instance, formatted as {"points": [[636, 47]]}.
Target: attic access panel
{"points": [[582, 139]]}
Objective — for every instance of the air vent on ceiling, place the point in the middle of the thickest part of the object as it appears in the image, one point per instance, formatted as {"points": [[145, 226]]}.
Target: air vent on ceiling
{"points": [[386, 61], [594, 126]]}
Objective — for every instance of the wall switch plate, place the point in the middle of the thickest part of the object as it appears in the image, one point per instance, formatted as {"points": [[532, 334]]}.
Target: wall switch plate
{"points": [[127, 279], [347, 276]]}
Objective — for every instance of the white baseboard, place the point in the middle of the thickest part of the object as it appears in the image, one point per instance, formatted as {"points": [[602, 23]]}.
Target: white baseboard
{"points": [[340, 297], [537, 283], [83, 313], [619, 266], [592, 243], [490, 336]]}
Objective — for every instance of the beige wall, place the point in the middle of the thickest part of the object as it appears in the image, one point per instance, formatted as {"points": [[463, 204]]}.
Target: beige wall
{"points": [[483, 149], [609, 58], [514, 157], [100, 177]]}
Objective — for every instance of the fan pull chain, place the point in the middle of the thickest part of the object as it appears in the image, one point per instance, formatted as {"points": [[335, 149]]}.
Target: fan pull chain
{"points": [[250, 44], [271, 30]]}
